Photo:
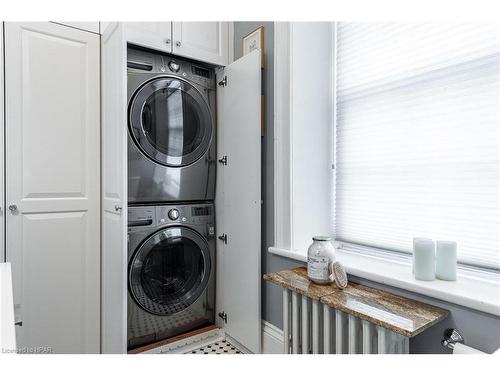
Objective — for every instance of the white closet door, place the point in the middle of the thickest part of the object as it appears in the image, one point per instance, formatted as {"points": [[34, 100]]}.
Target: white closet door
{"points": [[114, 190], [240, 185], [53, 184], [204, 41]]}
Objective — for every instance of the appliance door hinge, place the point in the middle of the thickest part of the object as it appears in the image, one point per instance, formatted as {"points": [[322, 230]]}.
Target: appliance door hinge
{"points": [[223, 82], [223, 316], [223, 160], [223, 238]]}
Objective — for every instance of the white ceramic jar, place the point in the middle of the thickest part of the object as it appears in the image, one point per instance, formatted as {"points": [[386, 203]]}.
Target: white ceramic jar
{"points": [[320, 255]]}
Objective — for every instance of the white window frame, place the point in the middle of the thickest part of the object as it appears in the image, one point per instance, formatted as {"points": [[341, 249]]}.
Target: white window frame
{"points": [[477, 289], [285, 162]]}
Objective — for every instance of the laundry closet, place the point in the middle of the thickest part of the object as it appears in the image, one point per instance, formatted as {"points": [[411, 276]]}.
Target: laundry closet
{"points": [[98, 189]]}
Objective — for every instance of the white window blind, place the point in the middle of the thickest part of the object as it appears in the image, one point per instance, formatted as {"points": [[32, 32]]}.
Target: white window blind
{"points": [[418, 136]]}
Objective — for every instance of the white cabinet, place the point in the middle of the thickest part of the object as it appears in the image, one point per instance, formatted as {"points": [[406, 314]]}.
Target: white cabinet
{"points": [[156, 35], [53, 184], [204, 41]]}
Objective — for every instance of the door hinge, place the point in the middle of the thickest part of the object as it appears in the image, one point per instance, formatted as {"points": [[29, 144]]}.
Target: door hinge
{"points": [[223, 238], [223, 82], [223, 160], [223, 316]]}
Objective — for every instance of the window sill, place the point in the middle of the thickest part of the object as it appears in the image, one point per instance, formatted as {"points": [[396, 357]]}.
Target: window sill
{"points": [[469, 290]]}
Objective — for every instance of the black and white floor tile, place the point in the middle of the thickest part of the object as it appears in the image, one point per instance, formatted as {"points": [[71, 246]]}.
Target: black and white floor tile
{"points": [[219, 347]]}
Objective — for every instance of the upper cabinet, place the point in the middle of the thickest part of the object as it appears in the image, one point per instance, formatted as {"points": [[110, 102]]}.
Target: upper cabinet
{"points": [[156, 35], [204, 41]]}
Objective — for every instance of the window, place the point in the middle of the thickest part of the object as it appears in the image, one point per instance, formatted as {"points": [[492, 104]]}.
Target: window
{"points": [[418, 136]]}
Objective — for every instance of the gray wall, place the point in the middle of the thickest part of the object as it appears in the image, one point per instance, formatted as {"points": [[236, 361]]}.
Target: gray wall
{"points": [[480, 330]]}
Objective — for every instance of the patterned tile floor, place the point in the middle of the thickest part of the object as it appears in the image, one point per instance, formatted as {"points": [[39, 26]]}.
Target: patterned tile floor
{"points": [[219, 347]]}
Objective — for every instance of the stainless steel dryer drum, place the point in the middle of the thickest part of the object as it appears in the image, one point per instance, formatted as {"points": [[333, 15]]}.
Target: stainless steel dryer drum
{"points": [[171, 120], [171, 278]]}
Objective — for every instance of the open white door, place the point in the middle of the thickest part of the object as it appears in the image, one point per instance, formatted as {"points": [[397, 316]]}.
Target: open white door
{"points": [[114, 190], [239, 200]]}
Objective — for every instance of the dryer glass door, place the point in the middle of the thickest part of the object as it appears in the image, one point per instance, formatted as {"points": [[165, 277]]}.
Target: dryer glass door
{"points": [[169, 271], [170, 121]]}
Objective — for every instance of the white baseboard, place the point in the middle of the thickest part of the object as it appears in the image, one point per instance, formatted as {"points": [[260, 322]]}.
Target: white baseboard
{"points": [[272, 339]]}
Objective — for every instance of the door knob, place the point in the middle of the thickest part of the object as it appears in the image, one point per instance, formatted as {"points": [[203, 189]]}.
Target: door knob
{"points": [[13, 208], [118, 207], [178, 43], [168, 40]]}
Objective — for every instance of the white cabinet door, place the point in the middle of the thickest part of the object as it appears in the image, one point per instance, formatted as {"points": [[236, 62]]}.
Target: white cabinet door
{"points": [[156, 35], [114, 189], [52, 169], [204, 41], [238, 208]]}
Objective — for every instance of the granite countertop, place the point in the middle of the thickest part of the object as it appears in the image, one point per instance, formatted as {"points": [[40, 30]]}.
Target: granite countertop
{"points": [[401, 315]]}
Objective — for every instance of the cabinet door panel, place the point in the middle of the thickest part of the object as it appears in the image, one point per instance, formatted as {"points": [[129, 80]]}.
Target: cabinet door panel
{"points": [[156, 35], [239, 200], [205, 41], [52, 169]]}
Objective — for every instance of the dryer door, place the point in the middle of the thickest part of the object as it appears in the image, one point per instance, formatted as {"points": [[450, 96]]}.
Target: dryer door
{"points": [[169, 271], [170, 121]]}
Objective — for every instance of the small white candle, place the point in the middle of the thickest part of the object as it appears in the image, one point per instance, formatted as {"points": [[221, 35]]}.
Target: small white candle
{"points": [[424, 258], [446, 260]]}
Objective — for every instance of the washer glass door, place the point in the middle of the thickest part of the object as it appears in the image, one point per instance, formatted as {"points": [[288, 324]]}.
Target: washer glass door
{"points": [[169, 271], [170, 121]]}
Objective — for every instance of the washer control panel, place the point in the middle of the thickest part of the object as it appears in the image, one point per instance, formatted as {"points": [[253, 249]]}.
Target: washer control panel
{"points": [[185, 214], [151, 216]]}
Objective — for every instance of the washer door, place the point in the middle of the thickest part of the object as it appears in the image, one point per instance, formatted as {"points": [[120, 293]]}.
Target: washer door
{"points": [[169, 271], [170, 122]]}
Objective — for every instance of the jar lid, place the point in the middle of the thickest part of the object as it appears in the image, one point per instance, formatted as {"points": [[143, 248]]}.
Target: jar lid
{"points": [[322, 238]]}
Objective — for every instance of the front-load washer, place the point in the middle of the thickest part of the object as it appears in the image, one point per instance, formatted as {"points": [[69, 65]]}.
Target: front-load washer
{"points": [[171, 278], [171, 123]]}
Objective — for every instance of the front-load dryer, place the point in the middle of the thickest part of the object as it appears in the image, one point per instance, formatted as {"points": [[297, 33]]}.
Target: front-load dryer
{"points": [[171, 123], [171, 262]]}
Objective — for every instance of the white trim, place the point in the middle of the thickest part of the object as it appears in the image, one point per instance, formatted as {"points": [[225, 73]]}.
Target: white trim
{"points": [[2, 148], [287, 253], [282, 135], [470, 290], [231, 43], [272, 339]]}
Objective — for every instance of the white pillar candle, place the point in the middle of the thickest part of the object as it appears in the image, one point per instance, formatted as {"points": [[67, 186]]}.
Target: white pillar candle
{"points": [[446, 260], [424, 258]]}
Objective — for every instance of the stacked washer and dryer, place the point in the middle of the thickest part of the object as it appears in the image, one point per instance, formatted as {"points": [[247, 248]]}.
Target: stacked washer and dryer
{"points": [[171, 192]]}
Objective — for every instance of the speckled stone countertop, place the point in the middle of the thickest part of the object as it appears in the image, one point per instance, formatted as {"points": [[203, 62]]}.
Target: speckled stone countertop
{"points": [[401, 315]]}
